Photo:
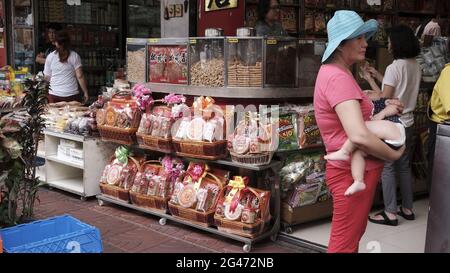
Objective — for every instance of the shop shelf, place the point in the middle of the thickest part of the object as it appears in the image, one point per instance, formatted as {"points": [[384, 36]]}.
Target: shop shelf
{"points": [[62, 234], [65, 135], [72, 163], [73, 185]]}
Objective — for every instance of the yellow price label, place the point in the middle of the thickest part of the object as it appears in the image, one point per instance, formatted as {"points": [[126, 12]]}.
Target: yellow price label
{"points": [[192, 41], [271, 42], [153, 41], [233, 40]]}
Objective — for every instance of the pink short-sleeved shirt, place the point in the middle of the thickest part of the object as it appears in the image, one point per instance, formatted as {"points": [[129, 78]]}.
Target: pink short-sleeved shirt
{"points": [[333, 86]]}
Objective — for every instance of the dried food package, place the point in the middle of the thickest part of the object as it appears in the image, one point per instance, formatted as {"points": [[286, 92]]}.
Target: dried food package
{"points": [[304, 194], [168, 64], [287, 132], [308, 131]]}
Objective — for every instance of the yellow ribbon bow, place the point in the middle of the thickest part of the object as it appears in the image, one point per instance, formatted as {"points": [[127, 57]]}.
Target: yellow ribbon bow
{"points": [[237, 184]]}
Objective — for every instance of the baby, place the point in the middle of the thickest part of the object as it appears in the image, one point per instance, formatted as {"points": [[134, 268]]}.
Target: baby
{"points": [[386, 125]]}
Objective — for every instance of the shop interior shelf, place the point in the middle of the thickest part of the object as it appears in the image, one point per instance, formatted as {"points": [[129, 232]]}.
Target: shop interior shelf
{"points": [[233, 92], [75, 164], [65, 135], [73, 185]]}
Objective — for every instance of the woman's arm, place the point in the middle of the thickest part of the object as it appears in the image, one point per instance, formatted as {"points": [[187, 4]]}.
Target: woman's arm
{"points": [[387, 92], [349, 113], [83, 84]]}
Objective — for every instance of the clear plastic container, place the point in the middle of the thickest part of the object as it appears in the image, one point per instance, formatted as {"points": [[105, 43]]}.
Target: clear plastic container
{"points": [[245, 62], [281, 62], [136, 60], [207, 61]]}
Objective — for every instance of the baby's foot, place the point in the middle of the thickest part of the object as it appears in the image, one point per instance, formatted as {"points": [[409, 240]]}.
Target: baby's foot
{"points": [[354, 188], [338, 155]]}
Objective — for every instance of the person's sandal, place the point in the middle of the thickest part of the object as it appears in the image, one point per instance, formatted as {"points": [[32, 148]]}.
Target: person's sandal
{"points": [[409, 217], [385, 220]]}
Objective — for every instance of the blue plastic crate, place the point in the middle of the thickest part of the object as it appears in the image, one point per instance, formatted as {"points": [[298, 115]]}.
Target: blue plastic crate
{"points": [[62, 234]]}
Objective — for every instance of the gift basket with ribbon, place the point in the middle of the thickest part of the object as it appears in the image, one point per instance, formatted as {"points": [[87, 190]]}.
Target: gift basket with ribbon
{"points": [[251, 142], [202, 135], [154, 183], [242, 210], [155, 129], [119, 120], [195, 198], [118, 176]]}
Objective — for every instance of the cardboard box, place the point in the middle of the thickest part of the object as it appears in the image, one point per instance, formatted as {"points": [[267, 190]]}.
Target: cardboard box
{"points": [[77, 154], [68, 143], [63, 152], [317, 211]]}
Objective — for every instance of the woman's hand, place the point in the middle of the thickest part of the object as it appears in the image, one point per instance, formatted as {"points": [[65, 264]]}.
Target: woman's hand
{"points": [[397, 104]]}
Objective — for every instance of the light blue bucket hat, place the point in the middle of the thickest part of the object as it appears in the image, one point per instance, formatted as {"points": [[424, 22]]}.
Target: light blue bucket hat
{"points": [[346, 25]]}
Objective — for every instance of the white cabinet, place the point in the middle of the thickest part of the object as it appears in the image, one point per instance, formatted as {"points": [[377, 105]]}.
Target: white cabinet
{"points": [[79, 175]]}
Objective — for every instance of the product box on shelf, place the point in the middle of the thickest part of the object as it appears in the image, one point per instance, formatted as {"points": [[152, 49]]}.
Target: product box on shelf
{"points": [[168, 61], [305, 214], [77, 154], [136, 60], [207, 61], [68, 143], [63, 152]]}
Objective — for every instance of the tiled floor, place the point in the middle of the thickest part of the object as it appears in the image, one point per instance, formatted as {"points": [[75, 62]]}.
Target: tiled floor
{"points": [[126, 230], [407, 237]]}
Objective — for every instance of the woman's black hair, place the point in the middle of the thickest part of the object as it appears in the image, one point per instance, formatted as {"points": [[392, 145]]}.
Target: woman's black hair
{"points": [[422, 27], [404, 43], [63, 40], [263, 9], [54, 26]]}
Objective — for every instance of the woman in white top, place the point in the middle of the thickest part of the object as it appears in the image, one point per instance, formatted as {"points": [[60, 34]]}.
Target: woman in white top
{"points": [[402, 81], [64, 71]]}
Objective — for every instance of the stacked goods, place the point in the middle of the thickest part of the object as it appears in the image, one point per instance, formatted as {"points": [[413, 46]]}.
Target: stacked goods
{"points": [[59, 114], [241, 75], [195, 198], [202, 135], [155, 129], [303, 180], [242, 210], [297, 128], [119, 120], [208, 73], [252, 142], [119, 175], [154, 183]]}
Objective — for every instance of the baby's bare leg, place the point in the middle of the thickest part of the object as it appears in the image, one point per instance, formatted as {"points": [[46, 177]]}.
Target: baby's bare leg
{"points": [[384, 129], [358, 167], [343, 153]]}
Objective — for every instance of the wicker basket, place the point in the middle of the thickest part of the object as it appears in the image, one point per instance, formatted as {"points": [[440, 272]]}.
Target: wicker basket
{"points": [[252, 159], [155, 143], [146, 201], [244, 229], [239, 228], [125, 136], [206, 218], [201, 149], [115, 192], [150, 202]]}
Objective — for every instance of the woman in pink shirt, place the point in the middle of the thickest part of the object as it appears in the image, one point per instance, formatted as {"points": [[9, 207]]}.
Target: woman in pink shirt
{"points": [[341, 109]]}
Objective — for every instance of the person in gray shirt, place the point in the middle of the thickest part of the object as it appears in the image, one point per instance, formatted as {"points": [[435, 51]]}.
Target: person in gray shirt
{"points": [[269, 19]]}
